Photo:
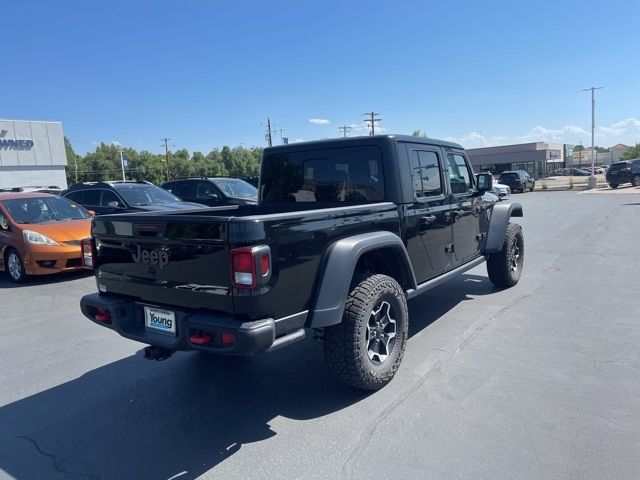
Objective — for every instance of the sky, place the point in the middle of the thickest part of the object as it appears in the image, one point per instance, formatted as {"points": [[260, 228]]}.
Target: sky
{"points": [[209, 73]]}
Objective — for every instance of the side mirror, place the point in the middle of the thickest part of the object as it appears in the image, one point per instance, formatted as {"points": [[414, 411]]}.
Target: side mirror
{"points": [[4, 223], [214, 196], [485, 182], [91, 212]]}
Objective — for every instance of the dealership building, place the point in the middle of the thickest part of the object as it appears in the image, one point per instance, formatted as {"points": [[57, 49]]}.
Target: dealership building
{"points": [[537, 158], [32, 154]]}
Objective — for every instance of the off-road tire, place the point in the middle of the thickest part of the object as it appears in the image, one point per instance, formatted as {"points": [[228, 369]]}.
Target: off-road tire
{"points": [[12, 255], [635, 181], [500, 265], [345, 345], [613, 185]]}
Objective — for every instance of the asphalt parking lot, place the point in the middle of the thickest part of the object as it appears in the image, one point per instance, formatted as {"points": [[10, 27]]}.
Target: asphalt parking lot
{"points": [[538, 381]]}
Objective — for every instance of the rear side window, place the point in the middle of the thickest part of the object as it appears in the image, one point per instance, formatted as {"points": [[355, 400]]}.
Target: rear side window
{"points": [[331, 175], [425, 173], [459, 174], [508, 176]]}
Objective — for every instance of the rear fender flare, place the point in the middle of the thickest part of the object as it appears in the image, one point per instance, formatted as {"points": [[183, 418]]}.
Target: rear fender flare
{"points": [[500, 216], [341, 260]]}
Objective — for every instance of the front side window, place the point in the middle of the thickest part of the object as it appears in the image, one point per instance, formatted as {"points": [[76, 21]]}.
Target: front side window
{"points": [[332, 175], [459, 174], [108, 197]]}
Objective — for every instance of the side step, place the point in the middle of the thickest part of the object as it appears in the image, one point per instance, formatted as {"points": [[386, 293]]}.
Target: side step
{"points": [[434, 282], [287, 340]]}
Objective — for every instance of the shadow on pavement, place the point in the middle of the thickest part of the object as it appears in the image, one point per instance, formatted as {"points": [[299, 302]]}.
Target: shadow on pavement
{"points": [[145, 420], [6, 282]]}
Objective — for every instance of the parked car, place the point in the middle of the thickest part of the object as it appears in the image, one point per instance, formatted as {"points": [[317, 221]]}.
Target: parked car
{"points": [[345, 231], [499, 189], [579, 172], [518, 180], [40, 234], [125, 197], [624, 172], [52, 189], [213, 191]]}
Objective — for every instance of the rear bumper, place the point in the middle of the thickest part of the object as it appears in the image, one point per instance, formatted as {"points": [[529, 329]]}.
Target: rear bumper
{"points": [[127, 318]]}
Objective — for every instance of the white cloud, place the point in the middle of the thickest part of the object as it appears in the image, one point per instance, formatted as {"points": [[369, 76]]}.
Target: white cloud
{"points": [[297, 140], [628, 126], [115, 143], [625, 131], [319, 121]]}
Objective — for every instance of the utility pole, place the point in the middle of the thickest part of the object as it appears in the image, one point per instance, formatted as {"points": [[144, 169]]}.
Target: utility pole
{"points": [[593, 182], [165, 144], [76, 162], [372, 121], [344, 129], [268, 134], [122, 166]]}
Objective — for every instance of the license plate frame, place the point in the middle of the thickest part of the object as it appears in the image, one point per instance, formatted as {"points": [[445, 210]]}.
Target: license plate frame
{"points": [[159, 320]]}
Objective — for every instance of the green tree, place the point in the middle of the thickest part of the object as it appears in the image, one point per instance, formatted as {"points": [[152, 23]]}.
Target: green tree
{"points": [[419, 133], [632, 153], [578, 148]]}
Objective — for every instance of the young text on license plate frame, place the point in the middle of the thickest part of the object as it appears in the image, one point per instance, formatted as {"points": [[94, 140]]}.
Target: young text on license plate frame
{"points": [[159, 320]]}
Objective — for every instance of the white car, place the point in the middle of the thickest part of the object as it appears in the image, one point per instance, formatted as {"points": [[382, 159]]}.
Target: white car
{"points": [[500, 189]]}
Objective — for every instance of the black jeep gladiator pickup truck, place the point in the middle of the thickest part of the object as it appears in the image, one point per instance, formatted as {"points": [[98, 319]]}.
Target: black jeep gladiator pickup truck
{"points": [[344, 233]]}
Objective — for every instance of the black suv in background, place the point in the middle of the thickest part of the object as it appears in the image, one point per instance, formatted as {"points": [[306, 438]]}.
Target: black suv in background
{"points": [[517, 180], [213, 191], [624, 172], [124, 197]]}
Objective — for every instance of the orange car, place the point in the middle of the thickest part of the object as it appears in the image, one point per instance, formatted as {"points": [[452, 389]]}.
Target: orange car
{"points": [[40, 234]]}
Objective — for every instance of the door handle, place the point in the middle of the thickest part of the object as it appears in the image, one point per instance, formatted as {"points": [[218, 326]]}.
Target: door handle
{"points": [[425, 222]]}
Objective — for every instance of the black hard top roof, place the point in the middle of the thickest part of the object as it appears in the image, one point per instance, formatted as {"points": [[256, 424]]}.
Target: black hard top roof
{"points": [[362, 140]]}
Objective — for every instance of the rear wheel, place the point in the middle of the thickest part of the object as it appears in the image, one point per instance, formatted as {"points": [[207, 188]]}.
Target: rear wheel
{"points": [[366, 348], [635, 181], [505, 267], [14, 266], [613, 185]]}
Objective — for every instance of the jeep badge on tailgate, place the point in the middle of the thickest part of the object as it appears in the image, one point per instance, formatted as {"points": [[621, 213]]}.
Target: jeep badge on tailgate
{"points": [[151, 257]]}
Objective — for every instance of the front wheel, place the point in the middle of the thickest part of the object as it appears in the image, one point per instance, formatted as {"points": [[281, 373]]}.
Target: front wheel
{"points": [[366, 348], [505, 267], [15, 267], [635, 181]]}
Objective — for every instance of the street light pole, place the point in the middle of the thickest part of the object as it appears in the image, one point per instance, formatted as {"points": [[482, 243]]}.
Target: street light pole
{"points": [[593, 182], [122, 166]]}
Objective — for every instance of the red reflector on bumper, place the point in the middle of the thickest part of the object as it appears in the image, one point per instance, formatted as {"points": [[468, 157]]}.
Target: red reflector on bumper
{"points": [[228, 338], [201, 339], [102, 315]]}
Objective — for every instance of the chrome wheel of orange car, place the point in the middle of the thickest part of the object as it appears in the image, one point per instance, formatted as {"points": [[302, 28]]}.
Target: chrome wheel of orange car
{"points": [[15, 267]]}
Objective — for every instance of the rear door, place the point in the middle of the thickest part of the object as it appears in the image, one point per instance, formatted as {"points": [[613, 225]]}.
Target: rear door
{"points": [[427, 226], [466, 208]]}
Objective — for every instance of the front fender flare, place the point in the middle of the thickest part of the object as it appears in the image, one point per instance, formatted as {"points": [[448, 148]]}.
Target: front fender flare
{"points": [[342, 258], [500, 216]]}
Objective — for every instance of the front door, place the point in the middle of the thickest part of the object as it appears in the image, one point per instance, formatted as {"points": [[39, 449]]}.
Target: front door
{"points": [[466, 208], [428, 228]]}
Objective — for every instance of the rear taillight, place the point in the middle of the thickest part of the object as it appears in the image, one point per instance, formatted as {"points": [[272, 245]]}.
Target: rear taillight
{"points": [[250, 266], [88, 249]]}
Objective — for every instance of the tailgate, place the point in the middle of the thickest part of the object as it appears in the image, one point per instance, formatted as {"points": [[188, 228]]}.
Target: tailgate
{"points": [[175, 260]]}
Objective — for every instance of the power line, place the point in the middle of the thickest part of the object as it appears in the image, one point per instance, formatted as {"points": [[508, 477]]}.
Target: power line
{"points": [[344, 129], [372, 121], [165, 144]]}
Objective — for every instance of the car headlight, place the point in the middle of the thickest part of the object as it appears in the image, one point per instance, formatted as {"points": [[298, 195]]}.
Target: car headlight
{"points": [[35, 238]]}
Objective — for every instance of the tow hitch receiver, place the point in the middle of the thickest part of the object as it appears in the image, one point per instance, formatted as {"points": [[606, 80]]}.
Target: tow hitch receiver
{"points": [[157, 353]]}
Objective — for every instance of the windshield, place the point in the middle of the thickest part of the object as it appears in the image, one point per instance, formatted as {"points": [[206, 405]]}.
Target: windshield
{"points": [[233, 187], [44, 210], [142, 195]]}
